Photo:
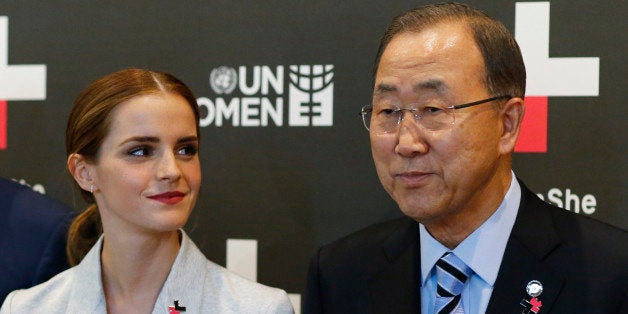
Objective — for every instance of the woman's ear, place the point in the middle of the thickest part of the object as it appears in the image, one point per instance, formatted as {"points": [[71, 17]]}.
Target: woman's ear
{"points": [[80, 169], [512, 115]]}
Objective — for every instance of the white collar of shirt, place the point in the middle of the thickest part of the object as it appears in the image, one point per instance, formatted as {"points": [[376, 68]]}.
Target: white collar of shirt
{"points": [[483, 249]]}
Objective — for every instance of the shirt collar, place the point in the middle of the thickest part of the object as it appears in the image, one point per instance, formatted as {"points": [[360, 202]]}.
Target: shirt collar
{"points": [[483, 249]]}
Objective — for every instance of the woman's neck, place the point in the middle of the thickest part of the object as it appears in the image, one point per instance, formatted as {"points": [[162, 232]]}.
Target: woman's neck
{"points": [[135, 268]]}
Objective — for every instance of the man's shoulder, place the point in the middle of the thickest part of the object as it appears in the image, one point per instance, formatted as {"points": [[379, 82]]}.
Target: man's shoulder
{"points": [[370, 241], [589, 233], [578, 227], [581, 257], [22, 199], [370, 235], [35, 230], [344, 274], [577, 236]]}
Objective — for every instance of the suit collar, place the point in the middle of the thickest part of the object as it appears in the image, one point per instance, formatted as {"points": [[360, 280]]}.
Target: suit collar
{"points": [[534, 226], [394, 288], [87, 294], [532, 239]]}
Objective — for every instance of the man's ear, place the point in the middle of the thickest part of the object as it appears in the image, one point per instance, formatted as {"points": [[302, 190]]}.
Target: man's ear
{"points": [[80, 169], [512, 115]]}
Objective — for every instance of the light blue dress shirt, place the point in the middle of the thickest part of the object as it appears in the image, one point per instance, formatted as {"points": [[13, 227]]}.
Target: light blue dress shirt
{"points": [[482, 251]]}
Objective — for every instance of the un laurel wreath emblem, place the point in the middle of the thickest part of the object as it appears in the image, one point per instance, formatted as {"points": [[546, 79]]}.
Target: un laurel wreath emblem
{"points": [[223, 80]]}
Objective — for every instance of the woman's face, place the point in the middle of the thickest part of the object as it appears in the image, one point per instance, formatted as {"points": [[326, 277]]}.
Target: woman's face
{"points": [[147, 173]]}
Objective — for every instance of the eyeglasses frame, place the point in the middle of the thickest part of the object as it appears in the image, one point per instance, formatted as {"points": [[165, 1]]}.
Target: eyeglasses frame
{"points": [[369, 108]]}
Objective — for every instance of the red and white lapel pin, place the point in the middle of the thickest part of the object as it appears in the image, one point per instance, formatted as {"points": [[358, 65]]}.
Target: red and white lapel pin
{"points": [[534, 289], [176, 308]]}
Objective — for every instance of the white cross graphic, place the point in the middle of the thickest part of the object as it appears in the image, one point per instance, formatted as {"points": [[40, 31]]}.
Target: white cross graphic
{"points": [[551, 76], [242, 260], [19, 82]]}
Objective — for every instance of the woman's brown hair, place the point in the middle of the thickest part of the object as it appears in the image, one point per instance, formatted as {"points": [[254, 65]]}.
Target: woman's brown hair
{"points": [[88, 125]]}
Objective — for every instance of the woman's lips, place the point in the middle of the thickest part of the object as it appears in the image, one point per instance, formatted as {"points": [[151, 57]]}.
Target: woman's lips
{"points": [[169, 198]]}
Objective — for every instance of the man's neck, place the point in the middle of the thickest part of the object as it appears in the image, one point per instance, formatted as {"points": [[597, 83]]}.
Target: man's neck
{"points": [[452, 229]]}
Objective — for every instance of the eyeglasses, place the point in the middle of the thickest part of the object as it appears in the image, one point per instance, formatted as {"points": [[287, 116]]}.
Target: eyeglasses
{"points": [[385, 118]]}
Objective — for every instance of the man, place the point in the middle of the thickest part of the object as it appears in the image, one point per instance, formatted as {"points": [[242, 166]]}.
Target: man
{"points": [[32, 237], [449, 84]]}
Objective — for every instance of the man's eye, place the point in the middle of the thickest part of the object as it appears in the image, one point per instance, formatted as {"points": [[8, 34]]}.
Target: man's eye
{"points": [[388, 112], [433, 110], [140, 151]]}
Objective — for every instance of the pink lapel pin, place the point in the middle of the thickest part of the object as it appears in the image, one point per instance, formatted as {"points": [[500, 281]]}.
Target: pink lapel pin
{"points": [[533, 289]]}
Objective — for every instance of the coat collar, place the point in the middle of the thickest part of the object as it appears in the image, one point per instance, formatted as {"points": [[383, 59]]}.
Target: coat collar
{"points": [[394, 288], [185, 282], [187, 274], [532, 239], [87, 295]]}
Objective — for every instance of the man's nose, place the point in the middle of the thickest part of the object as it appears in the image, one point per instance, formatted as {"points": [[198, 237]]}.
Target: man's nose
{"points": [[410, 136]]}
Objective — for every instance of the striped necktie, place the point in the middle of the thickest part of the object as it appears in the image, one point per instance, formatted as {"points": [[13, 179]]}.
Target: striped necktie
{"points": [[451, 275]]}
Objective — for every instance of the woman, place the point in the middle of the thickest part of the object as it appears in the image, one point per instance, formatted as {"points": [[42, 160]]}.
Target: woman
{"points": [[132, 141]]}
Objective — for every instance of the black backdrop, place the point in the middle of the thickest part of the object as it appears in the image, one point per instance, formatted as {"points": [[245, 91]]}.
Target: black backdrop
{"points": [[294, 184]]}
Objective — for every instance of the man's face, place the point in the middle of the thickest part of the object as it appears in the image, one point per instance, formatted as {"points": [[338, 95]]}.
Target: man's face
{"points": [[437, 176]]}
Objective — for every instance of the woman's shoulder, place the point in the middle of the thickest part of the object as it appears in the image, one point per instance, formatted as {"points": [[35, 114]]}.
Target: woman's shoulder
{"points": [[223, 290], [76, 289], [245, 295], [191, 260], [51, 296], [219, 276]]}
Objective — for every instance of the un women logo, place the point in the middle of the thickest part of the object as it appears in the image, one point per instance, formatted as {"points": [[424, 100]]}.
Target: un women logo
{"points": [[311, 95], [223, 80]]}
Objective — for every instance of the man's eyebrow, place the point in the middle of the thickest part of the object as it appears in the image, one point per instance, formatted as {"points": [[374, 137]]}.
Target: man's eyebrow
{"points": [[432, 84], [383, 88]]}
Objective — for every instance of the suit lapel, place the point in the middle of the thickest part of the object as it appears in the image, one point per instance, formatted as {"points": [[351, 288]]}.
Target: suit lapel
{"points": [[87, 295], [395, 288], [533, 238]]}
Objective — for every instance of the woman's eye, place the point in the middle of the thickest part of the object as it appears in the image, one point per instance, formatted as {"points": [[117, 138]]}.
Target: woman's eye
{"points": [[140, 151], [188, 150]]}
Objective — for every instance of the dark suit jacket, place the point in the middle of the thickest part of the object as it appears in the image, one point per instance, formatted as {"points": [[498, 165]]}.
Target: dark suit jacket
{"points": [[582, 264], [32, 237]]}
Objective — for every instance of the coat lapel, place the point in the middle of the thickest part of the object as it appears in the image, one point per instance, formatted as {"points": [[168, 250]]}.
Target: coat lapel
{"points": [[532, 240], [87, 294], [185, 283], [395, 288]]}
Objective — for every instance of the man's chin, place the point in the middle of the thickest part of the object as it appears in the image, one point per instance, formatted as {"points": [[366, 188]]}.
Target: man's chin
{"points": [[421, 214]]}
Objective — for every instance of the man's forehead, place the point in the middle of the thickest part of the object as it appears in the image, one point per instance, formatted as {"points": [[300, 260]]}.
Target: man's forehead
{"points": [[429, 59], [430, 41]]}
